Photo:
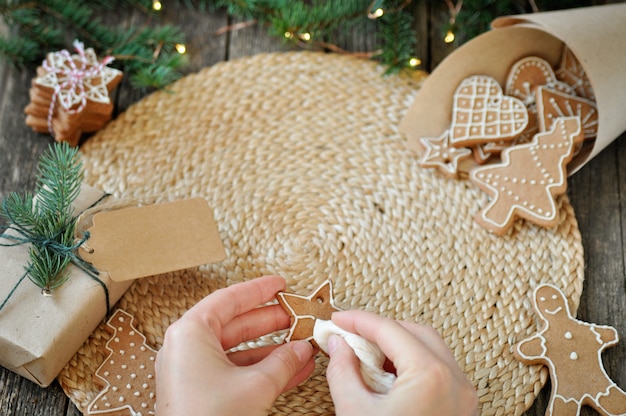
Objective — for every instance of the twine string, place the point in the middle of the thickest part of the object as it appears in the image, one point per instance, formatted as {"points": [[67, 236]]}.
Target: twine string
{"points": [[71, 78], [52, 244]]}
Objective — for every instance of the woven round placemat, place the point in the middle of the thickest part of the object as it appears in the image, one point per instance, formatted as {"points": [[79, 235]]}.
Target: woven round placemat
{"points": [[299, 156]]}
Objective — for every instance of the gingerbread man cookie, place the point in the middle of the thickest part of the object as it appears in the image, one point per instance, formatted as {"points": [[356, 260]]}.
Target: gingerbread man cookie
{"points": [[572, 351], [305, 310], [127, 374]]}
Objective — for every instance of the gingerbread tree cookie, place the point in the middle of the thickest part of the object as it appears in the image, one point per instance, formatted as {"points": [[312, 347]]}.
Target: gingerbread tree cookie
{"points": [[127, 374], [305, 310], [529, 178], [572, 351]]}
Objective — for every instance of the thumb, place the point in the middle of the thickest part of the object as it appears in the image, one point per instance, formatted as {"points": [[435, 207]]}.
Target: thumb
{"points": [[288, 365], [343, 372]]}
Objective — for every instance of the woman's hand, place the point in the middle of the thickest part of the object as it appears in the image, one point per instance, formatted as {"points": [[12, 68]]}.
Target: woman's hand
{"points": [[195, 375], [429, 381]]}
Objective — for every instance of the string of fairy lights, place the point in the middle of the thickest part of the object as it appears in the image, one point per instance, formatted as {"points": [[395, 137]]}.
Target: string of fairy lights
{"points": [[375, 11]]}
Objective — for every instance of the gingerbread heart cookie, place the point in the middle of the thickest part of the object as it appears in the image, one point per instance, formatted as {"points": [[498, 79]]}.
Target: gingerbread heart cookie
{"points": [[572, 351], [482, 113], [529, 178]]}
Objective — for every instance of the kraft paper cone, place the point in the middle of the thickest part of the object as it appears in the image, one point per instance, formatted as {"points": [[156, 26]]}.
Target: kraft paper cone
{"points": [[595, 36]]}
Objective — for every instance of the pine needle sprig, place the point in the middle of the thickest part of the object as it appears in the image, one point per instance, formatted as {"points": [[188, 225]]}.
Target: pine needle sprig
{"points": [[45, 219], [38, 27], [396, 25]]}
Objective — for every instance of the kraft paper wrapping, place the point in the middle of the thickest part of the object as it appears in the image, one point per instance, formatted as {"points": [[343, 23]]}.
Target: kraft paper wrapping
{"points": [[595, 36], [39, 334]]}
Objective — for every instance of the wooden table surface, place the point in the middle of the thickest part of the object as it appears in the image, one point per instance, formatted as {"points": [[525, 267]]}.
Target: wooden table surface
{"points": [[597, 194]]}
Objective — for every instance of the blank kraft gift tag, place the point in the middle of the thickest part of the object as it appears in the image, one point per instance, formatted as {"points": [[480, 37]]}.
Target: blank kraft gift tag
{"points": [[135, 242]]}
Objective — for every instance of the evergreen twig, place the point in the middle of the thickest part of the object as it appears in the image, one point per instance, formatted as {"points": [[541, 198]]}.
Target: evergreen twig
{"points": [[45, 219]]}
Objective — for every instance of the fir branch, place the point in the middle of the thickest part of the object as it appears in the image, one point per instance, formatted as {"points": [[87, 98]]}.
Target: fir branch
{"points": [[42, 26], [398, 37], [45, 219]]}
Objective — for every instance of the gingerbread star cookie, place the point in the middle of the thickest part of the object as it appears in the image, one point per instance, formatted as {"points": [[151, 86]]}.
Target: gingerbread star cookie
{"points": [[71, 94], [305, 310], [127, 374], [441, 155], [572, 351], [530, 176]]}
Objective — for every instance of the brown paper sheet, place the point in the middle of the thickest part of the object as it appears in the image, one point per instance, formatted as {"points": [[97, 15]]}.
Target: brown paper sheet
{"points": [[38, 334], [594, 34]]}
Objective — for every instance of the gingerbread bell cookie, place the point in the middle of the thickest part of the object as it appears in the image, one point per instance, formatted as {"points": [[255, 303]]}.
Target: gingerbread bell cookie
{"points": [[127, 375], [572, 351]]}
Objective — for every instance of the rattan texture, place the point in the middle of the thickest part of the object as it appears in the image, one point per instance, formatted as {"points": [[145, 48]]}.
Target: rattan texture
{"points": [[299, 156]]}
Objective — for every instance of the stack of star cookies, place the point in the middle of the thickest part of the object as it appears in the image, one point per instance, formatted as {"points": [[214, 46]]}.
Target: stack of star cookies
{"points": [[71, 94]]}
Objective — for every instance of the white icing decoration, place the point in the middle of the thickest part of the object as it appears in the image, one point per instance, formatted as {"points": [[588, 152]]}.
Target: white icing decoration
{"points": [[568, 335], [554, 311], [573, 356]]}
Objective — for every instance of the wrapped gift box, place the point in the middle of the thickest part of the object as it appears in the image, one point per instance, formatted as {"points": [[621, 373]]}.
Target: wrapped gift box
{"points": [[39, 334]]}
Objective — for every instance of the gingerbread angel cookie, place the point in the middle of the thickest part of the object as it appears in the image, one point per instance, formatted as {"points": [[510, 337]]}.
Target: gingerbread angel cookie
{"points": [[572, 351]]}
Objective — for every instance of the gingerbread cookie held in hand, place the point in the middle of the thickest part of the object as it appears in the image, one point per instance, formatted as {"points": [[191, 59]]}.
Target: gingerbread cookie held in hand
{"points": [[572, 351]]}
